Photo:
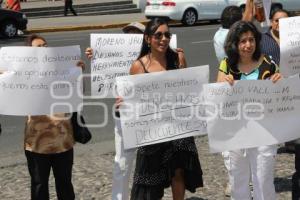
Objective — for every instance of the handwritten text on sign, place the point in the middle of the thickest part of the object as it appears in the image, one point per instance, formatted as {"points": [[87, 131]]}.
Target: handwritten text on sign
{"points": [[113, 57], [252, 113], [162, 106], [38, 80], [289, 46]]}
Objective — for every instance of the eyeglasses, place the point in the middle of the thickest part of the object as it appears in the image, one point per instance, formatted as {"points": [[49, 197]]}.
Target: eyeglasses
{"points": [[159, 35]]}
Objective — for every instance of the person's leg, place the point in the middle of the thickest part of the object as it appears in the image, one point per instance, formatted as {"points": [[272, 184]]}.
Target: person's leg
{"points": [[62, 164], [296, 175], [67, 7], [262, 160], [226, 158], [122, 166], [72, 9], [178, 187], [39, 170], [239, 175]]}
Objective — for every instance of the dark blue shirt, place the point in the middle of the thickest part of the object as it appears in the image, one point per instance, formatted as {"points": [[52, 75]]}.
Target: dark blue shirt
{"points": [[269, 47]]}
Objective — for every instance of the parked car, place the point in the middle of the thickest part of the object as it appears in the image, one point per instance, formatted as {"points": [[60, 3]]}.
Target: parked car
{"points": [[189, 11], [11, 22], [290, 5]]}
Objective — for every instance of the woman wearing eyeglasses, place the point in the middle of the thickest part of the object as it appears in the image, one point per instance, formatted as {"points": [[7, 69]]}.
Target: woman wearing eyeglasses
{"points": [[174, 163]]}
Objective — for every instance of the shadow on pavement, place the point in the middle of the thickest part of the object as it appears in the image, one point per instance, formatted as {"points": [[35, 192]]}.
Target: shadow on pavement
{"points": [[284, 150], [283, 184], [195, 198]]}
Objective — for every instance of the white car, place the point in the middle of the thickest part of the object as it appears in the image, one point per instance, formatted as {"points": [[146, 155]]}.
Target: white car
{"points": [[189, 11]]}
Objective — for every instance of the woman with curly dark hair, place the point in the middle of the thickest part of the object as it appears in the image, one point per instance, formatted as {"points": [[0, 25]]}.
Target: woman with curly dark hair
{"points": [[245, 62]]}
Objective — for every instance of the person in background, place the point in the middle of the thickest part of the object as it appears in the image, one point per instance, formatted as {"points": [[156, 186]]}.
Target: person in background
{"points": [[270, 45], [123, 161], [229, 16], [270, 42], [14, 5], [250, 16], [48, 143], [69, 5], [246, 62], [175, 163]]}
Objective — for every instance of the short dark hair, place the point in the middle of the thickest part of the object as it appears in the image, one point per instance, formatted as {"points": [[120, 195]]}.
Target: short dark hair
{"points": [[233, 39], [230, 15], [274, 11], [32, 37]]}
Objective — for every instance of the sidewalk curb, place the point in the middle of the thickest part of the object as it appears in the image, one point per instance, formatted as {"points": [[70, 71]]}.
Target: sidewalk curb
{"points": [[79, 27], [82, 27]]}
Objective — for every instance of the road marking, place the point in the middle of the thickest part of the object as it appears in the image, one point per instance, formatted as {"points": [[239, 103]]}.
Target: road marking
{"points": [[204, 29], [202, 41]]}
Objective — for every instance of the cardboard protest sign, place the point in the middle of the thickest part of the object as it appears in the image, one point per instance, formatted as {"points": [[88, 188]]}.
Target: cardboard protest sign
{"points": [[252, 113], [113, 55], [162, 106], [39, 81], [289, 46]]}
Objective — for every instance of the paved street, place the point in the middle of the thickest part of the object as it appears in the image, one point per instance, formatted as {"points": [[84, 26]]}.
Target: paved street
{"points": [[93, 172]]}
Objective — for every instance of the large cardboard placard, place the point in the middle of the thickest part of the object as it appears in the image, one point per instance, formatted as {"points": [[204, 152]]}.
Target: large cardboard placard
{"points": [[252, 113], [289, 46], [162, 106], [113, 57], [39, 81]]}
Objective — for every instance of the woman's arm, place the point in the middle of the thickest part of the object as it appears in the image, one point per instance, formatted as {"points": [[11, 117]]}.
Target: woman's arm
{"points": [[81, 64], [181, 58], [276, 77], [222, 77], [248, 14]]}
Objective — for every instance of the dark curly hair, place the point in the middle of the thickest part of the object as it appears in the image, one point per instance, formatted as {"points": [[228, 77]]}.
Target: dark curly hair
{"points": [[233, 39]]}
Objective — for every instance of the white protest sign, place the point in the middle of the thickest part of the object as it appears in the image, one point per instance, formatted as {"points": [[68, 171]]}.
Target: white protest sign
{"points": [[252, 113], [39, 81], [289, 46], [162, 106], [113, 56]]}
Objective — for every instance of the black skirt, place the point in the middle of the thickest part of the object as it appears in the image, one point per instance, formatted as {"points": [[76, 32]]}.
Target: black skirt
{"points": [[156, 165]]}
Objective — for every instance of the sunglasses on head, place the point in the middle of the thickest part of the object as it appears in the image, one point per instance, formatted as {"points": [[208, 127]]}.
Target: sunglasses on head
{"points": [[159, 35]]}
